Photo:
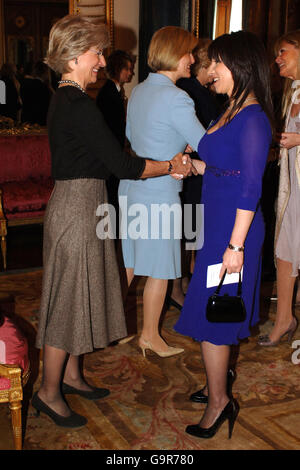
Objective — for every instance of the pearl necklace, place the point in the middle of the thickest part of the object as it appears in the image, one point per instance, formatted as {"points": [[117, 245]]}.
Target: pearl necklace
{"points": [[71, 82]]}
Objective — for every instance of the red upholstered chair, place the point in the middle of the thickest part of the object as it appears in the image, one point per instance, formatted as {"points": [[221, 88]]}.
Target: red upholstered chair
{"points": [[14, 372], [25, 182]]}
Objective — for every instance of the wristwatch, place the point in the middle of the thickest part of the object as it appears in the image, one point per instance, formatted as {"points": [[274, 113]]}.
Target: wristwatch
{"points": [[170, 167]]}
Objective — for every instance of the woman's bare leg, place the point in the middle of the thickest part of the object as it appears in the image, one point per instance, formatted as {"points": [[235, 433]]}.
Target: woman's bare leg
{"points": [[153, 301], [285, 289], [216, 362]]}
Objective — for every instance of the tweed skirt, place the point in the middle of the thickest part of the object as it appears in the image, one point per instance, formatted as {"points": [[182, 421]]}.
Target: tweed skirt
{"points": [[81, 305]]}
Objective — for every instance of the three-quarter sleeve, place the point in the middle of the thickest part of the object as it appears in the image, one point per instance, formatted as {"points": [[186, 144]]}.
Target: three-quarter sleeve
{"points": [[184, 119], [90, 126], [254, 140]]}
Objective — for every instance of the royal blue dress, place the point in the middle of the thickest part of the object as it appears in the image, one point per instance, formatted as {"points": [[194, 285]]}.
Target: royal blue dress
{"points": [[235, 156]]}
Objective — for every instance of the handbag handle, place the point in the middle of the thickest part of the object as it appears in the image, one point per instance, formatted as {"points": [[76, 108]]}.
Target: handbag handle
{"points": [[239, 291]]}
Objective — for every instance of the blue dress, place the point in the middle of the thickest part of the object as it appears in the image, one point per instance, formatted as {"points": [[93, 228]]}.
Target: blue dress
{"points": [[236, 156], [161, 121]]}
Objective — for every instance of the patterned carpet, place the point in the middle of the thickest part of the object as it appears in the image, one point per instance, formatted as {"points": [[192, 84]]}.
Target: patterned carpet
{"points": [[148, 406]]}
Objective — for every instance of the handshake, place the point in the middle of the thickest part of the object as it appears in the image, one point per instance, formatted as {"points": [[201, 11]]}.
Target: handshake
{"points": [[184, 166]]}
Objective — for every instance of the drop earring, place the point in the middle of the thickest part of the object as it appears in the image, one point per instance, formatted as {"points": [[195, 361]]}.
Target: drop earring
{"points": [[76, 61]]}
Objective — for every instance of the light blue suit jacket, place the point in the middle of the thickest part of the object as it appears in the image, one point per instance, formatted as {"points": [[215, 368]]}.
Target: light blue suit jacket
{"points": [[161, 121]]}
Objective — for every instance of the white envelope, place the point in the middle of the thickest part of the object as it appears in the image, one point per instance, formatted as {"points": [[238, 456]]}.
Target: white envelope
{"points": [[213, 272]]}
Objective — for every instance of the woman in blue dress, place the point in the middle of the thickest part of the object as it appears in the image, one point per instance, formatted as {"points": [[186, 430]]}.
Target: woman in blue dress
{"points": [[235, 150], [160, 118]]}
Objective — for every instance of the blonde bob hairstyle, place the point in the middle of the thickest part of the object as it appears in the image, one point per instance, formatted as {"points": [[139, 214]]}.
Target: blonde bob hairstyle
{"points": [[293, 37], [168, 45], [70, 37]]}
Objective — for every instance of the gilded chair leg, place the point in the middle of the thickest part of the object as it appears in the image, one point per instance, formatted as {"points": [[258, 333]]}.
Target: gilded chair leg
{"points": [[16, 419], [3, 250]]}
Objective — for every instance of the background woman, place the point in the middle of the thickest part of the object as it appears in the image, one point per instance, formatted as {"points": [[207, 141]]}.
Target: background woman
{"points": [[235, 150], [287, 232], [198, 85], [81, 305], [161, 119], [110, 99]]}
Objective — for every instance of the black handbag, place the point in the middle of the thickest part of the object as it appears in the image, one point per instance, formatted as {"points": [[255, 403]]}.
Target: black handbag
{"points": [[226, 308]]}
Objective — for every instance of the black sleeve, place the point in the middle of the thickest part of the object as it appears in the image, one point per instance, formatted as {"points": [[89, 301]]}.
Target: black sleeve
{"points": [[101, 143]]}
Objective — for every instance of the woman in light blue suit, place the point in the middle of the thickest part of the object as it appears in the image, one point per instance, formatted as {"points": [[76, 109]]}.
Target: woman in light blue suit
{"points": [[161, 121]]}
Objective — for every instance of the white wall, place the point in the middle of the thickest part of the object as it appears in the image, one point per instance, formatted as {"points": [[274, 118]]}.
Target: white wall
{"points": [[126, 21]]}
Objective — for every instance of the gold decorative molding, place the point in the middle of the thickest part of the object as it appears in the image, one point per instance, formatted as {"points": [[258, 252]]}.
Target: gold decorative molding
{"points": [[196, 17]]}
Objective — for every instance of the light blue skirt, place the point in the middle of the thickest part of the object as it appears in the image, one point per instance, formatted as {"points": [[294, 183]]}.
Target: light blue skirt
{"points": [[150, 230]]}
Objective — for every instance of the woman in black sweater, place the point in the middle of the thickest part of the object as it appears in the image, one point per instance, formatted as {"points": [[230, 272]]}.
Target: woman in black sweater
{"points": [[81, 306]]}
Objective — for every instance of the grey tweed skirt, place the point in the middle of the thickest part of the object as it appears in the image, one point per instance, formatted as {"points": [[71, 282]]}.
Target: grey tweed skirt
{"points": [[81, 305]]}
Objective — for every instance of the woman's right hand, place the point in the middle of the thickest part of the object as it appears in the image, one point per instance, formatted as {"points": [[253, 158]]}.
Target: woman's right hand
{"points": [[199, 165]]}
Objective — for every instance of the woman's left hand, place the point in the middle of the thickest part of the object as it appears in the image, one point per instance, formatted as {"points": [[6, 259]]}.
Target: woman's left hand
{"points": [[232, 261], [186, 159], [289, 140]]}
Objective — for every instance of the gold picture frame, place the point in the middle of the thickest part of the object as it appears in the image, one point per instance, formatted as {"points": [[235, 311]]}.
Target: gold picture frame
{"points": [[195, 17], [103, 9]]}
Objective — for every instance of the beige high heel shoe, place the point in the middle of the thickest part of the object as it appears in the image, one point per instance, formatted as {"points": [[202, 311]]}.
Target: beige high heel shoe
{"points": [[265, 339], [144, 345]]}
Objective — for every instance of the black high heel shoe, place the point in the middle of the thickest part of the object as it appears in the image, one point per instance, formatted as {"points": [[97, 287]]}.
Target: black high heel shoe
{"points": [[73, 421], [229, 413], [200, 397], [94, 394]]}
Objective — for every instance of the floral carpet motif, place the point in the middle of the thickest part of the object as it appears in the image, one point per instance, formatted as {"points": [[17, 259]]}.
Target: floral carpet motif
{"points": [[148, 408]]}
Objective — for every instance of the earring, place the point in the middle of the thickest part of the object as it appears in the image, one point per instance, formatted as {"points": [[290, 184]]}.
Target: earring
{"points": [[76, 61]]}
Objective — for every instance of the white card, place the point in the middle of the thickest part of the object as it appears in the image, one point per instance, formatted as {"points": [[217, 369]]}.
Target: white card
{"points": [[213, 273]]}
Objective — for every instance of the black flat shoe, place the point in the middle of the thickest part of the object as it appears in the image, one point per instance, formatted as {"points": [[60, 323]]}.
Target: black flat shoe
{"points": [[173, 302], [94, 394], [200, 397], [73, 421], [229, 413]]}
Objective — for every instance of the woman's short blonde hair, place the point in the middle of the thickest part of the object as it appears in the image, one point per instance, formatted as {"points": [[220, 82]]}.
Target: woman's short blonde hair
{"points": [[72, 36], [167, 46]]}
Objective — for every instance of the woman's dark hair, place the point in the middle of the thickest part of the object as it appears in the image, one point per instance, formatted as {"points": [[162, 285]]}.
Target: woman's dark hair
{"points": [[116, 62], [245, 56]]}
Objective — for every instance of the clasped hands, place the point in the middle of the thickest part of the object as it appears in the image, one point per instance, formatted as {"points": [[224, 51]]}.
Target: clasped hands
{"points": [[184, 166]]}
